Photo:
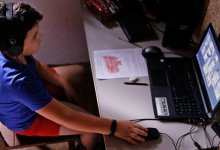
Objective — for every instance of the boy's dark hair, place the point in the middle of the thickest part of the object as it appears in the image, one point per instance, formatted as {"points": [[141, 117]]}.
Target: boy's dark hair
{"points": [[24, 18]]}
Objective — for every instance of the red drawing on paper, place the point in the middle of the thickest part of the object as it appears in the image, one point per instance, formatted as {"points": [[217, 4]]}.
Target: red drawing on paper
{"points": [[112, 63]]}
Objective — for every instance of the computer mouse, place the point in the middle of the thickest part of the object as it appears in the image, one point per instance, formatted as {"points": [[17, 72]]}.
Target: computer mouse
{"points": [[153, 134], [152, 51]]}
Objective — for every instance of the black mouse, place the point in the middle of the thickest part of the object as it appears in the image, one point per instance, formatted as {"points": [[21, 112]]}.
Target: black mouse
{"points": [[153, 134], [152, 51]]}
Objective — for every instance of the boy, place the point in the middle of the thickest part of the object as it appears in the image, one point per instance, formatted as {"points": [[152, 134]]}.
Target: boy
{"points": [[26, 106]]}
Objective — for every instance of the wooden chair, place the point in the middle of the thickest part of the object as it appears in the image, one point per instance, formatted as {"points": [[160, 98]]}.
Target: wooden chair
{"points": [[11, 140]]}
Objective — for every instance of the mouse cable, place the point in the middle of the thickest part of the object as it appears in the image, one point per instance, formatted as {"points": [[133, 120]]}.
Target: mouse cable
{"points": [[182, 136], [213, 139], [203, 124], [144, 119], [206, 135], [170, 139], [194, 142]]}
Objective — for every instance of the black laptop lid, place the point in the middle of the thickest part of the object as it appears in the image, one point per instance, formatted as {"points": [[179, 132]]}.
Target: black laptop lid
{"points": [[207, 62]]}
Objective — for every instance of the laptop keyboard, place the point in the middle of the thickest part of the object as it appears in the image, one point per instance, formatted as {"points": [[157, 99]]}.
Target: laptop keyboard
{"points": [[183, 91]]}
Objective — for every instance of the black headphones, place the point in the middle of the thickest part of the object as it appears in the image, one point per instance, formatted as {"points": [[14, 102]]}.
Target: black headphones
{"points": [[14, 48]]}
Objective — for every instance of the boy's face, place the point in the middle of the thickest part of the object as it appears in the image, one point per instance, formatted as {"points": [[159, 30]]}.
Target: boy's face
{"points": [[32, 41]]}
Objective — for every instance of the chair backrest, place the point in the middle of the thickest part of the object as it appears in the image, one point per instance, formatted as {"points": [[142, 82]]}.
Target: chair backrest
{"points": [[8, 136], [11, 140]]}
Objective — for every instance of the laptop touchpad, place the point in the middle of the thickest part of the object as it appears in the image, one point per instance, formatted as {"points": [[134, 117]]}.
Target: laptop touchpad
{"points": [[159, 77]]}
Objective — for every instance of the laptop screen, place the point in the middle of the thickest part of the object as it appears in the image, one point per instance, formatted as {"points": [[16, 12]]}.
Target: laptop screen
{"points": [[208, 59]]}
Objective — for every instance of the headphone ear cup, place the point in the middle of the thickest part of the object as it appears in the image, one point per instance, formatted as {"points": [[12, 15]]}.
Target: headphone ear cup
{"points": [[14, 50]]}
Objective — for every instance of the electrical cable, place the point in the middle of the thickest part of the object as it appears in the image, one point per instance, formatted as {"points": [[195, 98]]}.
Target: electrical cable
{"points": [[213, 140], [194, 142], [182, 136], [144, 119], [206, 135], [170, 139]]}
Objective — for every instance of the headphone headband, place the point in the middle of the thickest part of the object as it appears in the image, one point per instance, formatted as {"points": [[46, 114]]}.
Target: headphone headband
{"points": [[9, 11], [14, 48]]}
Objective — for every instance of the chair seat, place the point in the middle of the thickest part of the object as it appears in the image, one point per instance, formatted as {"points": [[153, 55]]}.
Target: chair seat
{"points": [[11, 140]]}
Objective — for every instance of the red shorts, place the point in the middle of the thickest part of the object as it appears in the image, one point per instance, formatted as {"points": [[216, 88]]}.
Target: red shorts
{"points": [[42, 126]]}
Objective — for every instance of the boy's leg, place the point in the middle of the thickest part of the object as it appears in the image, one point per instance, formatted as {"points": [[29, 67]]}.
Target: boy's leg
{"points": [[80, 77], [87, 139], [75, 74]]}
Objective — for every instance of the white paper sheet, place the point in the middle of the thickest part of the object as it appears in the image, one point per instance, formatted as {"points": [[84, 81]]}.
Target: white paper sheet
{"points": [[119, 63]]}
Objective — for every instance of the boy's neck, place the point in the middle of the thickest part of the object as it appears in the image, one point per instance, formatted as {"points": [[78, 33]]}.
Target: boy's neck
{"points": [[18, 59]]}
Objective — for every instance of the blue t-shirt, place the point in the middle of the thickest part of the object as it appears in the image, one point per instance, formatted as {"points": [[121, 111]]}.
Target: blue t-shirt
{"points": [[22, 92]]}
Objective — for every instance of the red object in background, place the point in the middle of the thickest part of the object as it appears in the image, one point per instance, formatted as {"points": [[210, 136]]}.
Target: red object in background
{"points": [[104, 10]]}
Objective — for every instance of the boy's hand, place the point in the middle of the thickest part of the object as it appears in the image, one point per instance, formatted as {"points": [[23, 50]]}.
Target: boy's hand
{"points": [[130, 131]]}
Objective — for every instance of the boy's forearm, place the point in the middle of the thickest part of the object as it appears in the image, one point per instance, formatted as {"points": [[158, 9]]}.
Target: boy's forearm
{"points": [[93, 124], [87, 123], [58, 112]]}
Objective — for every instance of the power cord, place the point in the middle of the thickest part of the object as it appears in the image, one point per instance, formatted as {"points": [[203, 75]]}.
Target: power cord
{"points": [[204, 125], [194, 142], [206, 135], [170, 139], [192, 130], [182, 136], [213, 139]]}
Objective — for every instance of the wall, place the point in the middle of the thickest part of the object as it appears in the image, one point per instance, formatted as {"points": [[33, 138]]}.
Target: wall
{"points": [[62, 31], [212, 15]]}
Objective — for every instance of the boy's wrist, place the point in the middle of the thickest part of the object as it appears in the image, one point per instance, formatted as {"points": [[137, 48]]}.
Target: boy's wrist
{"points": [[113, 127]]}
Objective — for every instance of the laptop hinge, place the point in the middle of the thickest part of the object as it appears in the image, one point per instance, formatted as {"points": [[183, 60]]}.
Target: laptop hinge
{"points": [[207, 109]]}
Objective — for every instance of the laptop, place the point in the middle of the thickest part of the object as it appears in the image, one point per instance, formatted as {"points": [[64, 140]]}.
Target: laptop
{"points": [[184, 88]]}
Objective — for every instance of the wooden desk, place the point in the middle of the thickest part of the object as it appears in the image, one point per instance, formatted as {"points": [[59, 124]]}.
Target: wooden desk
{"points": [[119, 101]]}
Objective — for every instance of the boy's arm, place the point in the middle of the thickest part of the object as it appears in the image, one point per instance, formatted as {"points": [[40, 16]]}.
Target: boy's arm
{"points": [[55, 79], [75, 120], [47, 75]]}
